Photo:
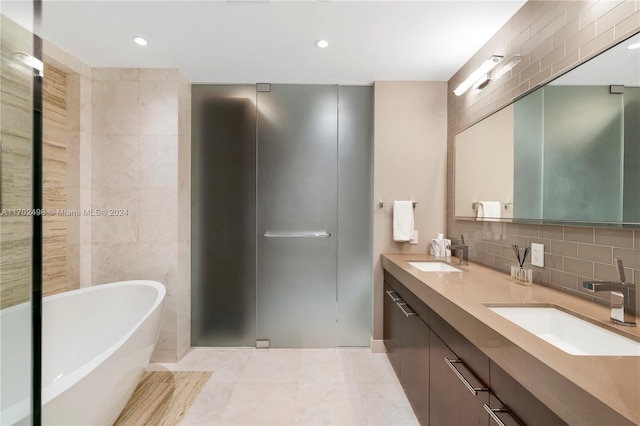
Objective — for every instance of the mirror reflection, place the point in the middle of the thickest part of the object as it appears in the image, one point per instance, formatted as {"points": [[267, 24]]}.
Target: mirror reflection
{"points": [[573, 152]]}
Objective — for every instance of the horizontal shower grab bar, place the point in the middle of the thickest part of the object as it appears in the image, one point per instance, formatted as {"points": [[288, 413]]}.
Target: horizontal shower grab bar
{"points": [[309, 234]]}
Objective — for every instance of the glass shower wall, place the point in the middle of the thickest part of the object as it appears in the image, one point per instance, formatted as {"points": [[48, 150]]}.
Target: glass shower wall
{"points": [[282, 200], [355, 219], [16, 130], [223, 217]]}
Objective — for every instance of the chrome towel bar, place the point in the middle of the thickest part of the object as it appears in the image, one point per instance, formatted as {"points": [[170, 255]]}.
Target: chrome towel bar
{"points": [[505, 205], [382, 203]]}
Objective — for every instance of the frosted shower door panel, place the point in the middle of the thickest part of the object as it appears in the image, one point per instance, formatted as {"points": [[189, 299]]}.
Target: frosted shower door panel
{"points": [[355, 216], [223, 215], [297, 193], [583, 156]]}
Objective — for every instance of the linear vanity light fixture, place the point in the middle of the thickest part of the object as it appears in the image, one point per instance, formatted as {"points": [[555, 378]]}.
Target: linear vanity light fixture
{"points": [[478, 74], [481, 83], [484, 80], [515, 59]]}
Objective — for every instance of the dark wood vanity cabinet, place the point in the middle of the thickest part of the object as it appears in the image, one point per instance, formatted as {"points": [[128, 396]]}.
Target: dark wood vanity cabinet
{"points": [[456, 397], [392, 327], [414, 366], [446, 378], [406, 337], [528, 409], [459, 375]]}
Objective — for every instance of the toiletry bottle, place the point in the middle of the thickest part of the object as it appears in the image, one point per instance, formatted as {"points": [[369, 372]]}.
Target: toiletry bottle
{"points": [[441, 245]]}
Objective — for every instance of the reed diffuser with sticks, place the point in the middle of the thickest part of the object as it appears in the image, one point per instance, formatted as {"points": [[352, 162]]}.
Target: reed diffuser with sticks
{"points": [[520, 274]]}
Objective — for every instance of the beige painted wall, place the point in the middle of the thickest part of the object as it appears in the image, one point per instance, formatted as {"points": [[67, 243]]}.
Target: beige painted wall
{"points": [[410, 148]]}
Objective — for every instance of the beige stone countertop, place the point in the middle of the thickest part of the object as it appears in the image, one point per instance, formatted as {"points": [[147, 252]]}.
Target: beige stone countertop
{"points": [[582, 390]]}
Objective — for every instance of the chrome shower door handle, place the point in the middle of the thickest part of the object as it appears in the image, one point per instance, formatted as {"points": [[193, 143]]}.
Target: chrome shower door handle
{"points": [[305, 234]]}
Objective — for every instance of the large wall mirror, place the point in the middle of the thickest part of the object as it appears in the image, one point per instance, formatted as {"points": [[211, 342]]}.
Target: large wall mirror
{"points": [[568, 152]]}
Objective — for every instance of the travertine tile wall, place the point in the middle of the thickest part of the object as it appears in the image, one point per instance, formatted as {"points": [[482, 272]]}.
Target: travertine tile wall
{"points": [[129, 148], [140, 162], [54, 172], [78, 163], [552, 37], [184, 214], [16, 111], [78, 177]]}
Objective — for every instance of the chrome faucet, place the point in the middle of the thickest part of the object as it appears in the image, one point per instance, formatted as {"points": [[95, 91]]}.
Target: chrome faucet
{"points": [[619, 313], [464, 260]]}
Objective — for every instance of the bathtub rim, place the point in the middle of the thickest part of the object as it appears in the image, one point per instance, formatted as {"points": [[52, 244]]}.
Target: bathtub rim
{"points": [[56, 388]]}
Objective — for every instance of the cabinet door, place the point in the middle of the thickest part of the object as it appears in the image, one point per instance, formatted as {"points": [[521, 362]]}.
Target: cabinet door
{"points": [[473, 357], [455, 395], [392, 327], [414, 365], [524, 405]]}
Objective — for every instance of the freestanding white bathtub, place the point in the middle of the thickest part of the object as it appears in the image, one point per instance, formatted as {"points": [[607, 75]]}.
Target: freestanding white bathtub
{"points": [[96, 343]]}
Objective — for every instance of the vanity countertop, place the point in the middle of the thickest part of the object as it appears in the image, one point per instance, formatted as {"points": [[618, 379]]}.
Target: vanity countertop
{"points": [[596, 390]]}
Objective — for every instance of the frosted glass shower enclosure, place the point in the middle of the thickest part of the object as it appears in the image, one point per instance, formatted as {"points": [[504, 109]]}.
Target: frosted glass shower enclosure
{"points": [[282, 205]]}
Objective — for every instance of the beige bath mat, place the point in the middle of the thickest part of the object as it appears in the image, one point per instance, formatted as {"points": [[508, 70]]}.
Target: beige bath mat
{"points": [[162, 397]]}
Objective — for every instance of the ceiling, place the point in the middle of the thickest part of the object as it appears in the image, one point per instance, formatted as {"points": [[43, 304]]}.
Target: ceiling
{"points": [[274, 41]]}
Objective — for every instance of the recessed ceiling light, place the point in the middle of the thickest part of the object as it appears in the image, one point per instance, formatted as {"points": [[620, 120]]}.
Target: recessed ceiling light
{"points": [[634, 46], [322, 44], [140, 40]]}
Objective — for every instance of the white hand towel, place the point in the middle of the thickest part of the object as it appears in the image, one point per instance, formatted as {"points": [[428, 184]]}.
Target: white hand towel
{"points": [[488, 211], [402, 220]]}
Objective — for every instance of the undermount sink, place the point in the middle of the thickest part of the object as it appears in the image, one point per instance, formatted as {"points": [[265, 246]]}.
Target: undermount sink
{"points": [[567, 332], [434, 266]]}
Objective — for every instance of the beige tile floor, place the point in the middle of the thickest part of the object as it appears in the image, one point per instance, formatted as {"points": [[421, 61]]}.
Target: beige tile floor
{"points": [[344, 386]]}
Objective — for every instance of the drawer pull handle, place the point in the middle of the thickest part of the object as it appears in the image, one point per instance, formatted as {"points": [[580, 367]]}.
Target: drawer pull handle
{"points": [[492, 412], [472, 389], [408, 313], [393, 295]]}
